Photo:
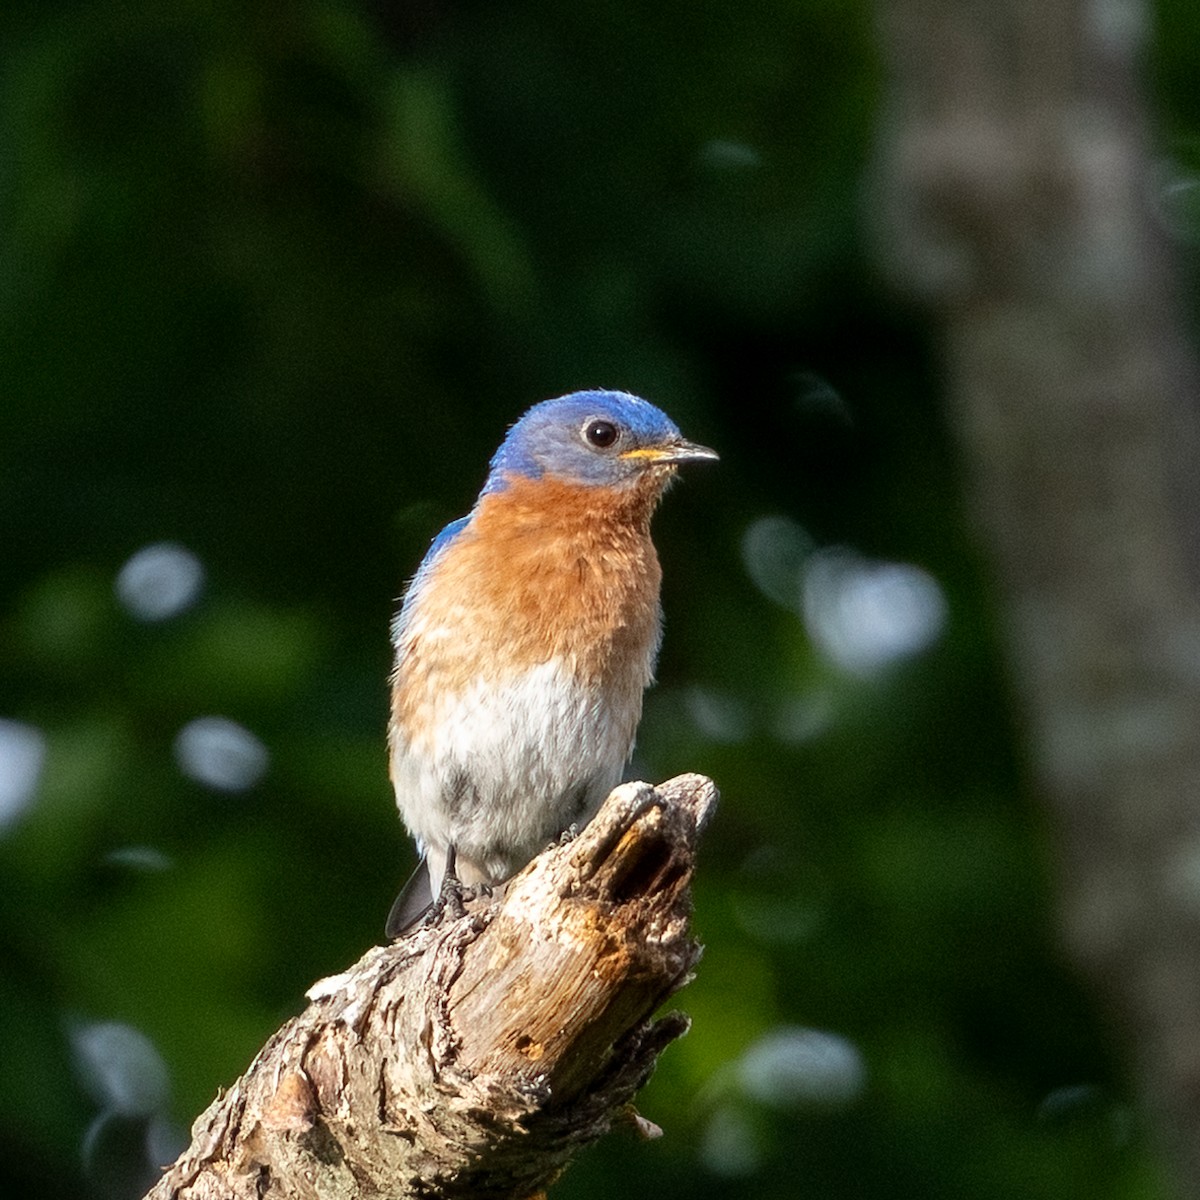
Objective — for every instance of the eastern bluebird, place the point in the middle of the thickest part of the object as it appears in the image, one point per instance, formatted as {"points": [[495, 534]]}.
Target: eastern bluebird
{"points": [[525, 641]]}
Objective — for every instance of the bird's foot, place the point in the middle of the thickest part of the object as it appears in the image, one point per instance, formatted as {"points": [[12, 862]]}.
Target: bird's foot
{"points": [[567, 836], [454, 894], [451, 899]]}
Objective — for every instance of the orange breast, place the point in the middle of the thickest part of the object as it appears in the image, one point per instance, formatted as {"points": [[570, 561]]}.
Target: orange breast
{"points": [[544, 570]]}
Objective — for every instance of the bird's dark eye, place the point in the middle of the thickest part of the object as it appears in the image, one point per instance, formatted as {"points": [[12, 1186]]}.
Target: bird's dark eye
{"points": [[600, 433]]}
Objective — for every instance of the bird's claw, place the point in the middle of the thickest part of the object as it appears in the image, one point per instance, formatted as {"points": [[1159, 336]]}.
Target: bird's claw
{"points": [[454, 896]]}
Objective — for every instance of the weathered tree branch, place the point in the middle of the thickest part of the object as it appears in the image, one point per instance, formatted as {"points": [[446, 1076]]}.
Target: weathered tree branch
{"points": [[1015, 198], [477, 1056]]}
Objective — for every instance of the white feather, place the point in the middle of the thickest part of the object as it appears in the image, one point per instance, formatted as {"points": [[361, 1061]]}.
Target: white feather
{"points": [[540, 751]]}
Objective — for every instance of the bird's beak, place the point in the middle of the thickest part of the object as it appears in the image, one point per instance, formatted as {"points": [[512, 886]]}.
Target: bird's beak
{"points": [[673, 452]]}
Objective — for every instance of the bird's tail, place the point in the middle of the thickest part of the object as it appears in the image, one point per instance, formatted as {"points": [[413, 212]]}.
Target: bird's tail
{"points": [[414, 901]]}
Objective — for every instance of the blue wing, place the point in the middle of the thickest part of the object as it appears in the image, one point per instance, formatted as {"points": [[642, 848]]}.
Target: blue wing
{"points": [[436, 549], [440, 542]]}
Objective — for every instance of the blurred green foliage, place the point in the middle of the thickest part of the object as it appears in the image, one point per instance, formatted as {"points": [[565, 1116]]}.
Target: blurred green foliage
{"points": [[273, 280]]}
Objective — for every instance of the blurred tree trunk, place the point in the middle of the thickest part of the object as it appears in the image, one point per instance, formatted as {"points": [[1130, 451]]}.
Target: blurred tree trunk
{"points": [[1014, 195]]}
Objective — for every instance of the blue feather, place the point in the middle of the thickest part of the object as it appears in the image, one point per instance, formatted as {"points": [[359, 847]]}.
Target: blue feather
{"points": [[548, 439]]}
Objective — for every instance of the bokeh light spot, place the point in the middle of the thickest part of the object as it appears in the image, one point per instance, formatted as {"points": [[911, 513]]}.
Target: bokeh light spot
{"points": [[144, 859], [160, 581], [1083, 1105], [22, 756], [866, 615], [801, 719], [774, 550], [719, 716], [221, 754], [815, 396], [726, 155], [121, 1068], [793, 1066], [730, 1145]]}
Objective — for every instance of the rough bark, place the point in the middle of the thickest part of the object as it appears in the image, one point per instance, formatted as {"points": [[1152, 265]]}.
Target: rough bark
{"points": [[1015, 196], [475, 1057]]}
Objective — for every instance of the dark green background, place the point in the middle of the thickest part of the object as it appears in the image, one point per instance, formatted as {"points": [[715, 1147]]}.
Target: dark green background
{"points": [[274, 278]]}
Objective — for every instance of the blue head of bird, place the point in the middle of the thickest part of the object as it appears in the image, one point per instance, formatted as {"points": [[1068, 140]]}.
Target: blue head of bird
{"points": [[593, 438]]}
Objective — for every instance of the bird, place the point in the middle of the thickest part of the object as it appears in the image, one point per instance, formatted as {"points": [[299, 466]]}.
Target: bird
{"points": [[524, 642]]}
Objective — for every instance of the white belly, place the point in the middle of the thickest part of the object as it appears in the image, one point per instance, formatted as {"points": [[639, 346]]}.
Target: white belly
{"points": [[499, 770]]}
